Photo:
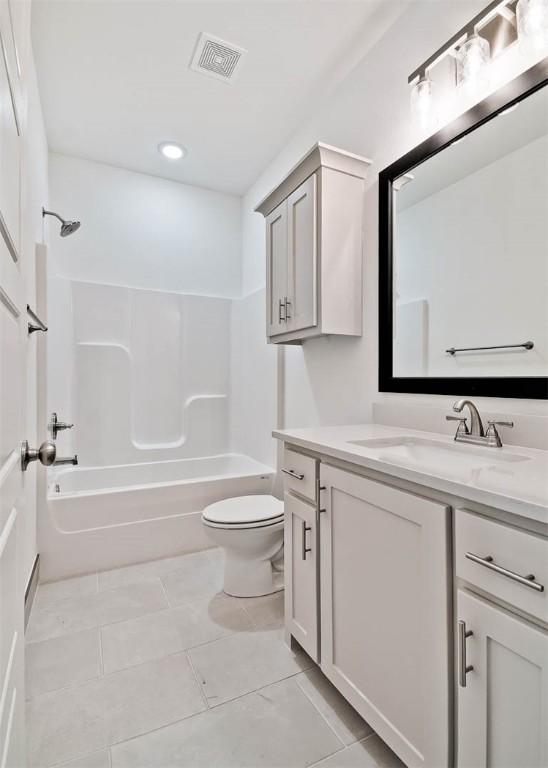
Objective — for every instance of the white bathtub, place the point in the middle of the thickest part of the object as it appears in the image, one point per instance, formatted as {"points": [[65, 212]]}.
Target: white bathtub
{"points": [[106, 517]]}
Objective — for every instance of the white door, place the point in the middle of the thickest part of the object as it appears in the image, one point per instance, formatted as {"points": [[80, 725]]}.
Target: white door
{"points": [[302, 256], [13, 340], [301, 558], [503, 707], [276, 270], [384, 573]]}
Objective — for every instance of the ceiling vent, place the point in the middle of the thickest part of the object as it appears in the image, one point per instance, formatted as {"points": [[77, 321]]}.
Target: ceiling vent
{"points": [[217, 58]]}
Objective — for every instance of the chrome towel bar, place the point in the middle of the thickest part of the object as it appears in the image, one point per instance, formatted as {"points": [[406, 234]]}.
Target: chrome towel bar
{"points": [[524, 345], [488, 562]]}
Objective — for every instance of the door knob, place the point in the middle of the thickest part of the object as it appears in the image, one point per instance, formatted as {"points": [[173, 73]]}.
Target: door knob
{"points": [[45, 454]]}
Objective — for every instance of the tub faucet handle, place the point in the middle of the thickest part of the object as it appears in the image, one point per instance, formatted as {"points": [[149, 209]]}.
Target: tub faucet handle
{"points": [[56, 426], [66, 460]]}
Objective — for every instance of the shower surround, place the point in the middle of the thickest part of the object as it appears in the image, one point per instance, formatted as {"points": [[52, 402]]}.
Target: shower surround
{"points": [[151, 375]]}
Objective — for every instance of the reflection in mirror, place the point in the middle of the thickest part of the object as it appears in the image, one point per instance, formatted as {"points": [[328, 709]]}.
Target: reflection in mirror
{"points": [[470, 245]]}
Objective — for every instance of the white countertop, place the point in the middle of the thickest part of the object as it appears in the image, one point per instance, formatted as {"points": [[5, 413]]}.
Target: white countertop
{"points": [[520, 487]]}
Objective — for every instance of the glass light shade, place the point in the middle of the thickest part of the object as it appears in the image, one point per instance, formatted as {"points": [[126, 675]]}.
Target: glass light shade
{"points": [[473, 59], [421, 102], [532, 16]]}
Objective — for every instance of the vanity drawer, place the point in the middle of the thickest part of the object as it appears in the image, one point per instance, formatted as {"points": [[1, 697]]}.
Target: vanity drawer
{"points": [[506, 557], [299, 472]]}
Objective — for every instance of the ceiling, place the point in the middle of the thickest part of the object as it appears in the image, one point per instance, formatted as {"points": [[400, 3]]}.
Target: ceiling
{"points": [[115, 81]]}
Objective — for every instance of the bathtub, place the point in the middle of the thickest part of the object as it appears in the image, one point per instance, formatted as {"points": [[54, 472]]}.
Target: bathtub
{"points": [[106, 517]]}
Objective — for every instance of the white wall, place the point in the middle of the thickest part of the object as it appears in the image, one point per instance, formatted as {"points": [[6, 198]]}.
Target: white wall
{"points": [[330, 380], [140, 314], [144, 232]]}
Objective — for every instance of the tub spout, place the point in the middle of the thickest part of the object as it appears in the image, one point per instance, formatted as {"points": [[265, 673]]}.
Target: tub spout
{"points": [[66, 460]]}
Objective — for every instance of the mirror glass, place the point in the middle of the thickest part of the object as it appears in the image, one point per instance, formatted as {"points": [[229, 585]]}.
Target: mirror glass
{"points": [[470, 245]]}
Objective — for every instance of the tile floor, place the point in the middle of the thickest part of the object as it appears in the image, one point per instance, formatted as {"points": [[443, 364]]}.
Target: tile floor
{"points": [[152, 666]]}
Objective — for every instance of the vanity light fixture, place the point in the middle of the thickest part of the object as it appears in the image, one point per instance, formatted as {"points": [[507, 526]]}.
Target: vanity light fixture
{"points": [[421, 101], [532, 22], [466, 58], [172, 150], [472, 62]]}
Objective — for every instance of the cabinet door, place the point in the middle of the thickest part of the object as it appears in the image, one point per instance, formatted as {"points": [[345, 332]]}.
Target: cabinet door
{"points": [[385, 611], [301, 569], [302, 247], [503, 709], [276, 270]]}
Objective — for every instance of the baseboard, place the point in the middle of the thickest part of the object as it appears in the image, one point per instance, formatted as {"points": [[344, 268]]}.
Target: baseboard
{"points": [[32, 585]]}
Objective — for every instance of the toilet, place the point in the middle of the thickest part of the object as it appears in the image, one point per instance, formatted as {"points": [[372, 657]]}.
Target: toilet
{"points": [[250, 529]]}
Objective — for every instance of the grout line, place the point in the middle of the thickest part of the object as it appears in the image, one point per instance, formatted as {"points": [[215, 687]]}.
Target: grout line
{"points": [[199, 684], [101, 656], [321, 714]]}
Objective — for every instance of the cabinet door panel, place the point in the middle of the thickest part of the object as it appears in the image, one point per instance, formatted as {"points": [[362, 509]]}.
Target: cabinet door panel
{"points": [[503, 710], [301, 591], [276, 270], [302, 256], [384, 611]]}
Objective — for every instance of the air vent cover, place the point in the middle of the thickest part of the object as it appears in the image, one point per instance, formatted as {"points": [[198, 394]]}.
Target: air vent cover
{"points": [[217, 58]]}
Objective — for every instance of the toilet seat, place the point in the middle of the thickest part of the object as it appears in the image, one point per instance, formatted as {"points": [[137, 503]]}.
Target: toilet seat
{"points": [[241, 512]]}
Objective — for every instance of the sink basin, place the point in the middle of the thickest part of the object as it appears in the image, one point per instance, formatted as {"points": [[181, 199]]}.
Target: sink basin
{"points": [[461, 462]]}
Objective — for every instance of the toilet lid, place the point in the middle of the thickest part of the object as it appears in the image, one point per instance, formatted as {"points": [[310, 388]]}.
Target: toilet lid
{"points": [[242, 510]]}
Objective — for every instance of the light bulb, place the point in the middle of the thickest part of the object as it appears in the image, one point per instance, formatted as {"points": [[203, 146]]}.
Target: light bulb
{"points": [[421, 102], [532, 16], [472, 62]]}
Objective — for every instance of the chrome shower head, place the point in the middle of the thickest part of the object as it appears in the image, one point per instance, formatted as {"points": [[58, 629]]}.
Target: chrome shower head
{"points": [[67, 227]]}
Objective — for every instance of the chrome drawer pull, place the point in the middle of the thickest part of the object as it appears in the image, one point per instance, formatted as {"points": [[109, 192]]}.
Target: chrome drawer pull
{"points": [[464, 669], [305, 549], [488, 562], [292, 473]]}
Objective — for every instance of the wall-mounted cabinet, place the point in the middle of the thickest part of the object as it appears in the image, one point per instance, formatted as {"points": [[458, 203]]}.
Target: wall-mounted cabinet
{"points": [[314, 225]]}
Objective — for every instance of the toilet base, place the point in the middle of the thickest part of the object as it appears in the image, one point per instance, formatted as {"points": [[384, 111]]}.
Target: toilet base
{"points": [[250, 578]]}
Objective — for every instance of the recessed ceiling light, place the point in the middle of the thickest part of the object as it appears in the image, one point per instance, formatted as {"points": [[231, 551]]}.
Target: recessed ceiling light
{"points": [[171, 150]]}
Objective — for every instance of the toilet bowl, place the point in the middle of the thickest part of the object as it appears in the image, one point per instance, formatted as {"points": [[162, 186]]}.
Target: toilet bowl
{"points": [[250, 529]]}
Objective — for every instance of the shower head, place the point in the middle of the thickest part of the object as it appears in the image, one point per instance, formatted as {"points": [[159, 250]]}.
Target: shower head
{"points": [[67, 227]]}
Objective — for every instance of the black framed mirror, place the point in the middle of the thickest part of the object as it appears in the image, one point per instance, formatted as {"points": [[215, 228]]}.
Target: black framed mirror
{"points": [[463, 252]]}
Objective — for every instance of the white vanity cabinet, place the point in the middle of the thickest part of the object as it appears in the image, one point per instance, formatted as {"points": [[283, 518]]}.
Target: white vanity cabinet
{"points": [[503, 697], [314, 222], [384, 571], [301, 553]]}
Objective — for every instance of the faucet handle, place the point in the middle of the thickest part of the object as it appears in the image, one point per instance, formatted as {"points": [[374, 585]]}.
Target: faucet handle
{"points": [[462, 423], [501, 423]]}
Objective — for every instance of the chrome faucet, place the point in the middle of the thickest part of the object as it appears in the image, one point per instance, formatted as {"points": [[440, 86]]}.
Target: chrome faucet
{"points": [[476, 424], [476, 433]]}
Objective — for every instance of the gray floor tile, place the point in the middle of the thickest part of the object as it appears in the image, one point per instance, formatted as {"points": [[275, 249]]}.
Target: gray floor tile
{"points": [[277, 726], [150, 571], [244, 662], [78, 613], [345, 721], [175, 629], [200, 575], [62, 661], [96, 760], [370, 753], [266, 611], [53, 591], [76, 721]]}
